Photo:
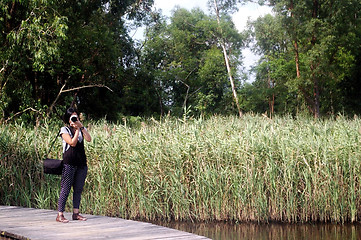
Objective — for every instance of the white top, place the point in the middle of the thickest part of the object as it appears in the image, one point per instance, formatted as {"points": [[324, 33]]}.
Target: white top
{"points": [[67, 130]]}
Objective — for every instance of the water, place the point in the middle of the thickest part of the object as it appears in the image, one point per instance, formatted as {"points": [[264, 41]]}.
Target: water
{"points": [[272, 231], [250, 231]]}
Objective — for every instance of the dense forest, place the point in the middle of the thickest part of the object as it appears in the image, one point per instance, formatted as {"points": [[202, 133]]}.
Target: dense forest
{"points": [[57, 53]]}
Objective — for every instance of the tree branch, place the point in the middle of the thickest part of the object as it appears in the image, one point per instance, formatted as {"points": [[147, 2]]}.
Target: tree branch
{"points": [[4, 66], [57, 97], [87, 86], [74, 89], [19, 113]]}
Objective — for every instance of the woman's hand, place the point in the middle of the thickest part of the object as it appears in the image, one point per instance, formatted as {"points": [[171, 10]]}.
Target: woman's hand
{"points": [[76, 125], [79, 126]]}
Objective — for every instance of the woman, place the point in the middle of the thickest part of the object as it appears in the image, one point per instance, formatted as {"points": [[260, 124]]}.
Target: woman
{"points": [[75, 163]]}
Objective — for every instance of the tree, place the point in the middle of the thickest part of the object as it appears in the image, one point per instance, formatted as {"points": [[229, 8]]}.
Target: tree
{"points": [[272, 43], [49, 45], [321, 33], [31, 33], [226, 5], [185, 57]]}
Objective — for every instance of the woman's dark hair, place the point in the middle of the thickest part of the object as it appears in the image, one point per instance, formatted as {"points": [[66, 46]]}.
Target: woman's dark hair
{"points": [[68, 113]]}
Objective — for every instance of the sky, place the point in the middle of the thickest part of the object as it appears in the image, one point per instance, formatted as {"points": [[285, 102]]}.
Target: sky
{"points": [[249, 11]]}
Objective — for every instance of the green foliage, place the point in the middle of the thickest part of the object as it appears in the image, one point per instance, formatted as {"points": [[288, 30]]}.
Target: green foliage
{"points": [[32, 32], [48, 45], [188, 64], [40, 34], [213, 77], [228, 6], [320, 36]]}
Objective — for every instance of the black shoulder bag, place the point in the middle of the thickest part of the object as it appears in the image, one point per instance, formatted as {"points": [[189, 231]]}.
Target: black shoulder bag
{"points": [[52, 166]]}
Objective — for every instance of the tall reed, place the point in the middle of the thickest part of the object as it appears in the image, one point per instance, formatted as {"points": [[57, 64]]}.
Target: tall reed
{"points": [[222, 168]]}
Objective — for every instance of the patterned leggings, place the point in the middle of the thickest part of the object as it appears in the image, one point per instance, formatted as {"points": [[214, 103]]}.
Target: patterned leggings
{"points": [[72, 176]]}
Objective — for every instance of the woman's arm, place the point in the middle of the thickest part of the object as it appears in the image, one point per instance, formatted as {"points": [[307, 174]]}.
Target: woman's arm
{"points": [[86, 135], [84, 131], [71, 141]]}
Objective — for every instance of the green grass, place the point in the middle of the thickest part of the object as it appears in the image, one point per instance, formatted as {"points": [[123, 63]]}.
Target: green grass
{"points": [[219, 169]]}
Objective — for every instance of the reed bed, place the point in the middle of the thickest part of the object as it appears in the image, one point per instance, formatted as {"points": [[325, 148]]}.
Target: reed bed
{"points": [[218, 169]]}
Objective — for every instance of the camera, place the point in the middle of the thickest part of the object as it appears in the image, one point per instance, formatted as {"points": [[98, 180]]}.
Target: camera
{"points": [[73, 119]]}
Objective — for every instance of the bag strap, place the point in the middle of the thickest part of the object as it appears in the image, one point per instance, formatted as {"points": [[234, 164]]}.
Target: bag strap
{"points": [[69, 131], [71, 135], [52, 144]]}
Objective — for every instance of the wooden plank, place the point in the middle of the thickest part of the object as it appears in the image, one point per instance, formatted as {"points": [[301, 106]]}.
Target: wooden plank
{"points": [[30, 223]]}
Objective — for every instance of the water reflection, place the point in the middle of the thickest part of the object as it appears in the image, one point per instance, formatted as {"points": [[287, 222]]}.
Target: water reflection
{"points": [[222, 231]]}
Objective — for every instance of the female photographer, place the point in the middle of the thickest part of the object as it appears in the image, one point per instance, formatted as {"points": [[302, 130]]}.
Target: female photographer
{"points": [[75, 163]]}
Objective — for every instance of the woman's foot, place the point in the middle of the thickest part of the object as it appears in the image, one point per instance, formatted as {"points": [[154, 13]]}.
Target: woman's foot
{"points": [[77, 216], [62, 219]]}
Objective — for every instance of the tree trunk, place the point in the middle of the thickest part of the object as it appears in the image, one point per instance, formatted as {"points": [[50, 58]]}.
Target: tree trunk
{"points": [[227, 61], [295, 45], [271, 100], [315, 80], [297, 60], [316, 95], [314, 105]]}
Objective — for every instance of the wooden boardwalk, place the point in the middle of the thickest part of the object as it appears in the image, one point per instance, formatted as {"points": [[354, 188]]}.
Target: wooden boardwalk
{"points": [[30, 223]]}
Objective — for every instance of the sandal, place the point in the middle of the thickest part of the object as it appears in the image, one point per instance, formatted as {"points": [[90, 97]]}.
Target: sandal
{"points": [[62, 219], [77, 216]]}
